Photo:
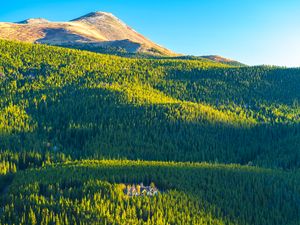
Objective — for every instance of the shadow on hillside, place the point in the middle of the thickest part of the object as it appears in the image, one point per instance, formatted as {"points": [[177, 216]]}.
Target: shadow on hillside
{"points": [[57, 36], [63, 37], [98, 123]]}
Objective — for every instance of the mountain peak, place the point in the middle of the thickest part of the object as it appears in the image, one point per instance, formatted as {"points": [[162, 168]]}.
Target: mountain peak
{"points": [[101, 13], [34, 21], [95, 15]]}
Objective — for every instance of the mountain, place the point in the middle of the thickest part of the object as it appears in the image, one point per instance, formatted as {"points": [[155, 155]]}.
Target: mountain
{"points": [[96, 30]]}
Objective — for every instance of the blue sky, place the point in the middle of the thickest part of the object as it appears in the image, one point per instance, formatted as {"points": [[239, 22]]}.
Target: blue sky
{"points": [[252, 31]]}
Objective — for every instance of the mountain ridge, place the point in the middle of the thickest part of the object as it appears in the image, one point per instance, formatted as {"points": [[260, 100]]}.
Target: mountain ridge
{"points": [[33, 20]]}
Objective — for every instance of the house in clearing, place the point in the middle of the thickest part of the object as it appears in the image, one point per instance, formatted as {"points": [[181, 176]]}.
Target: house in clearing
{"points": [[141, 190]]}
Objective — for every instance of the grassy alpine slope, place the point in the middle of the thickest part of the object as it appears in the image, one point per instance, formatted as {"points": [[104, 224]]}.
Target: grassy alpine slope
{"points": [[59, 105]]}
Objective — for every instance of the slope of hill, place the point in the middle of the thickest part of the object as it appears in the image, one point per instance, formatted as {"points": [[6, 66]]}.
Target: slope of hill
{"points": [[66, 98], [97, 30], [63, 111], [92, 192]]}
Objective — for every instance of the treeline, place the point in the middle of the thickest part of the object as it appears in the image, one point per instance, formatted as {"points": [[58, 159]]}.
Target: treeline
{"points": [[21, 160], [12, 162]]}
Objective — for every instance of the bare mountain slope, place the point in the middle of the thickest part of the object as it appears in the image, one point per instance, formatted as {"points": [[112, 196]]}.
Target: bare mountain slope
{"points": [[221, 59], [98, 29]]}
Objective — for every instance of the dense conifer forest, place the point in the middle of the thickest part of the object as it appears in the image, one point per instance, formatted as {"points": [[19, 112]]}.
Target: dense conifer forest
{"points": [[221, 142]]}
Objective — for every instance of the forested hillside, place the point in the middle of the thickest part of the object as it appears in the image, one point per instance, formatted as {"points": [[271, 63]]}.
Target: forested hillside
{"points": [[60, 105], [92, 105], [91, 192]]}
